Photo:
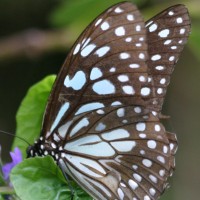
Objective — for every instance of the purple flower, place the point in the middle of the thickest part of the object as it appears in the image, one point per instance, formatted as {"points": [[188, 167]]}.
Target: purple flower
{"points": [[16, 158]]}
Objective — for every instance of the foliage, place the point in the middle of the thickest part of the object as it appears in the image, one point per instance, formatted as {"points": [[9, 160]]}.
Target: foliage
{"points": [[30, 113], [40, 178]]}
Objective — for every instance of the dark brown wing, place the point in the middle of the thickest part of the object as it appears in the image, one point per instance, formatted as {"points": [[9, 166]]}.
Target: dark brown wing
{"points": [[106, 64], [167, 33]]}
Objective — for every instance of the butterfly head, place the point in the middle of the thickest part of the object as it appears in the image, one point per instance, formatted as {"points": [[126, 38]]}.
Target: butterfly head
{"points": [[43, 148]]}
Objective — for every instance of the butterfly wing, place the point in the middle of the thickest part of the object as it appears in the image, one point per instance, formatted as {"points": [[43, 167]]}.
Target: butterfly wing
{"points": [[102, 109], [120, 152], [167, 33], [106, 64]]}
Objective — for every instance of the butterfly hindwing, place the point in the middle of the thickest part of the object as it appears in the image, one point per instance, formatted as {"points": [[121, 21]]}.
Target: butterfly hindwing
{"points": [[132, 152]]}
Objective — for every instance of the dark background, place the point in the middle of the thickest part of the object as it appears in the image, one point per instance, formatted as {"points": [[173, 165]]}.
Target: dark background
{"points": [[35, 37]]}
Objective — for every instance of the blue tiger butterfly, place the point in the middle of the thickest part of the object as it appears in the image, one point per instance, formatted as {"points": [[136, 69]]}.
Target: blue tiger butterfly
{"points": [[102, 121]]}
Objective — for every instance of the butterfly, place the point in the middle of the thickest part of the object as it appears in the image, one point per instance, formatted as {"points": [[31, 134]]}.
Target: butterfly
{"points": [[102, 123]]}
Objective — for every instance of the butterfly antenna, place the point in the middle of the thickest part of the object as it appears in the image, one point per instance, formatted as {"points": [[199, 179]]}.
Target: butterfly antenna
{"points": [[13, 135]]}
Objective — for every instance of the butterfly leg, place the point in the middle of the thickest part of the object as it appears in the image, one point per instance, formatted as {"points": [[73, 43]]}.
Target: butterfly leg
{"points": [[68, 181]]}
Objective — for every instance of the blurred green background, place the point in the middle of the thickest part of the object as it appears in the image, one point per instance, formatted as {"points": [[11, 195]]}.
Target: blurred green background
{"points": [[35, 37]]}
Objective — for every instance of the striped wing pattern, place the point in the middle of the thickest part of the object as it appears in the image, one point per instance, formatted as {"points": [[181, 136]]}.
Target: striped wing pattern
{"points": [[102, 122]]}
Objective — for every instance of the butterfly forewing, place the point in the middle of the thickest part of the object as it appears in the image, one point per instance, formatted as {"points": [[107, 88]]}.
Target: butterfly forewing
{"points": [[99, 70], [102, 122]]}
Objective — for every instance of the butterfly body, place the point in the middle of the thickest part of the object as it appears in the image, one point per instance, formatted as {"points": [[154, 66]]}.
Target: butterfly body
{"points": [[102, 122]]}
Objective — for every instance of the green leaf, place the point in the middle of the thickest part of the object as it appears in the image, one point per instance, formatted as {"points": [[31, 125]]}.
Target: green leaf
{"points": [[40, 178], [2, 181], [30, 113]]}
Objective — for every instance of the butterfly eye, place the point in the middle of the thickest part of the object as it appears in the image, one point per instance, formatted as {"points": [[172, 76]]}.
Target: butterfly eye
{"points": [[102, 121]]}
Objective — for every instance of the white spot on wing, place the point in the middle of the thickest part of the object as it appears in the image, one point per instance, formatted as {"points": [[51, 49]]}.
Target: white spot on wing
{"points": [[118, 10], [159, 90], [90, 145], [103, 87], [147, 163], [60, 114], [77, 82], [141, 126], [82, 123], [138, 109], [95, 73], [153, 27], [153, 178], [142, 135], [162, 81], [85, 42], [161, 159], [134, 65], [152, 191], [128, 39], [162, 172], [113, 69], [115, 134], [89, 107], [159, 67], [123, 78], [116, 103], [77, 48], [88, 166], [149, 23], [151, 144], [121, 112], [138, 28], [120, 193], [157, 127], [164, 33], [141, 56], [156, 57], [130, 17], [182, 31], [167, 42], [124, 55], [105, 26], [128, 89], [137, 177], [98, 22], [124, 146], [120, 31], [102, 51], [171, 58], [179, 20], [87, 50], [146, 197], [64, 128], [132, 184], [100, 127], [145, 91]]}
